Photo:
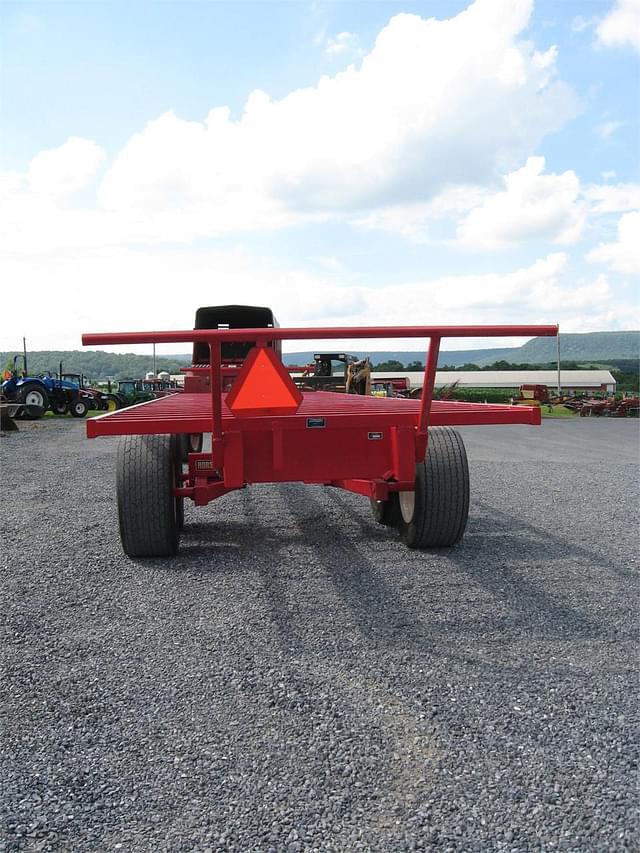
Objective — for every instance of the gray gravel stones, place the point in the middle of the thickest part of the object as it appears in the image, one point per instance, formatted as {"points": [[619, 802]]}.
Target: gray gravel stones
{"points": [[296, 680]]}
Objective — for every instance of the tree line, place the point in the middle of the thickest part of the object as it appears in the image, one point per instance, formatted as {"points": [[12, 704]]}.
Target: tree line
{"points": [[100, 366], [96, 365]]}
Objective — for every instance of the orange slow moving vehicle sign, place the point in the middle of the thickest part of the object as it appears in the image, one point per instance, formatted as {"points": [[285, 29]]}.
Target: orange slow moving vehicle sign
{"points": [[263, 386]]}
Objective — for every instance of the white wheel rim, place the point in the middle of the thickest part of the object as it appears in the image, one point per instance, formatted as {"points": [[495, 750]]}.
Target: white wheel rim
{"points": [[407, 505], [34, 398]]}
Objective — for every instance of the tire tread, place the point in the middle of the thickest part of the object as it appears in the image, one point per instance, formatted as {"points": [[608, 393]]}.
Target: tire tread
{"points": [[442, 493], [146, 504]]}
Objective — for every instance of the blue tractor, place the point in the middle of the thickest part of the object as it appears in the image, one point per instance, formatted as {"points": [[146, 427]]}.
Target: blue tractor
{"points": [[39, 393]]}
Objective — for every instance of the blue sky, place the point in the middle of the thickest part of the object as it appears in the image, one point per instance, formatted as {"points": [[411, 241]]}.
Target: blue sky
{"points": [[478, 167]]}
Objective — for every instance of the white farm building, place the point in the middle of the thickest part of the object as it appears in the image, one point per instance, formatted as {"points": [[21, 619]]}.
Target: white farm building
{"points": [[571, 381]]}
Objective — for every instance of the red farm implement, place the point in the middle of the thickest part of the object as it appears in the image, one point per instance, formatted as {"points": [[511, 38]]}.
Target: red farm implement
{"points": [[401, 454]]}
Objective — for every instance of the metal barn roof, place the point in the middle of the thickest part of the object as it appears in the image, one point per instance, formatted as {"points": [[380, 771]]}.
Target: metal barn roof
{"points": [[510, 378]]}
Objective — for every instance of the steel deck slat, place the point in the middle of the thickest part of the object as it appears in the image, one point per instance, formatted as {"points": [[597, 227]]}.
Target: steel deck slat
{"points": [[191, 413]]}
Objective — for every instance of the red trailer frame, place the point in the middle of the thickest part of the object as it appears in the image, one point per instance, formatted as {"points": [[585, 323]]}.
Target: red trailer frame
{"points": [[368, 445]]}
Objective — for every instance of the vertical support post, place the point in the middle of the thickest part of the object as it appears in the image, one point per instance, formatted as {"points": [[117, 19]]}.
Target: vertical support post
{"points": [[154, 362], [427, 397], [215, 380], [558, 344]]}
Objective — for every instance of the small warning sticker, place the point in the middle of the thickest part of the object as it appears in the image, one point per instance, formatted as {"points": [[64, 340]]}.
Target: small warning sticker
{"points": [[375, 436]]}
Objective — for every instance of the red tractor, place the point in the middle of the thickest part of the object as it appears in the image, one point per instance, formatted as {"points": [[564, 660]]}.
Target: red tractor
{"points": [[93, 397]]}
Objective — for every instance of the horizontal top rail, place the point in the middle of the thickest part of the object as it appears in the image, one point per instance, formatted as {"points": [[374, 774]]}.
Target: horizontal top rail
{"points": [[316, 333]]}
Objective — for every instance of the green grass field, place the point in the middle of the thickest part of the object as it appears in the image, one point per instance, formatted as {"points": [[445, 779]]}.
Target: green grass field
{"points": [[557, 412], [90, 414]]}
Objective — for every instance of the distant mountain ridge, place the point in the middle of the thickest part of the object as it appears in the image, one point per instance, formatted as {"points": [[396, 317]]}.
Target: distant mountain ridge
{"points": [[453, 357], [574, 346], [580, 347]]}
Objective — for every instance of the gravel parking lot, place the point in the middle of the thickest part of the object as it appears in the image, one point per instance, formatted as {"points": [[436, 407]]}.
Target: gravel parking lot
{"points": [[297, 680]]}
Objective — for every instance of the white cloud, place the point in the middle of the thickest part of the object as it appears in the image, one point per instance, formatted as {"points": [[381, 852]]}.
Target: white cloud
{"points": [[613, 198], [434, 105], [579, 24], [412, 221], [66, 169], [606, 129], [533, 206], [624, 255], [621, 27], [151, 285], [344, 44], [421, 131]]}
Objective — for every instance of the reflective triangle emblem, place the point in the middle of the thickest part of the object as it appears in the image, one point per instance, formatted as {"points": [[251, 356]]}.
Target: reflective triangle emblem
{"points": [[263, 386]]}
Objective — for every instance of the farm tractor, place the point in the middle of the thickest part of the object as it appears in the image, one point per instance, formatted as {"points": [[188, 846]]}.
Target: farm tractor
{"points": [[130, 392], [354, 377], [95, 399], [39, 393]]}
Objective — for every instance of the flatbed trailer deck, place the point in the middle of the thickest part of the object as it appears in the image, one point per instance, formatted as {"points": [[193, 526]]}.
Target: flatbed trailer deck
{"points": [[402, 454], [192, 413]]}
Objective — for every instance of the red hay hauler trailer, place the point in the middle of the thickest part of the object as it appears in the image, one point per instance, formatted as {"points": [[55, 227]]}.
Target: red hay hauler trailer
{"points": [[401, 454]]}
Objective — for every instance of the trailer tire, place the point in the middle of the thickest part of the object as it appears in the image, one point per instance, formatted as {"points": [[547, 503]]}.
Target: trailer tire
{"points": [[78, 409], [435, 515], [177, 448], [147, 507], [180, 514], [386, 512]]}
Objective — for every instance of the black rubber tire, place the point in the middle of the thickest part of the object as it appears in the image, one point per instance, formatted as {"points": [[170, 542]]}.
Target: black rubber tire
{"points": [[147, 510], [35, 399], [59, 407], [177, 447], [386, 512], [180, 514], [441, 504], [78, 409], [111, 403], [32, 413]]}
